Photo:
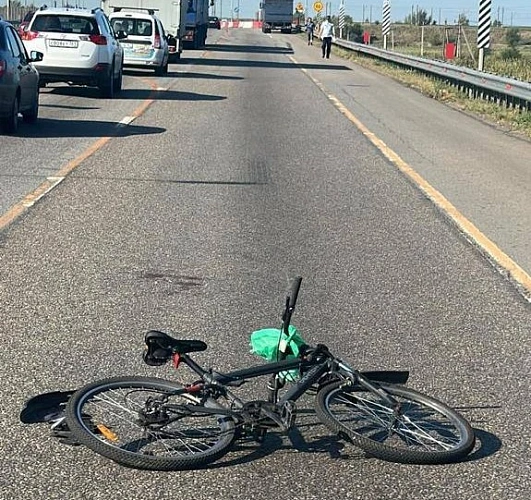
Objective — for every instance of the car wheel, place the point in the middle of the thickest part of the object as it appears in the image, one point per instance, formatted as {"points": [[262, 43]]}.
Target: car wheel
{"points": [[10, 124], [107, 86], [31, 115]]}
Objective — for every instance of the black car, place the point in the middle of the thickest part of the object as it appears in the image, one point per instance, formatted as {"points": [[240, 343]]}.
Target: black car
{"points": [[214, 22], [19, 80]]}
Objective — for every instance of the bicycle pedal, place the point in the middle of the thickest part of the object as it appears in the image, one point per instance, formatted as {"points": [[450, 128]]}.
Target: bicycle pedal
{"points": [[64, 434], [289, 413]]}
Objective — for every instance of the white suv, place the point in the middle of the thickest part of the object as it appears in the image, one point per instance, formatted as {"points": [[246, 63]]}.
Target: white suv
{"points": [[79, 48], [146, 45]]}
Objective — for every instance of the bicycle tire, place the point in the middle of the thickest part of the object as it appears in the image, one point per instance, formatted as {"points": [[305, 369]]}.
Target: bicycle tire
{"points": [[94, 417], [427, 431]]}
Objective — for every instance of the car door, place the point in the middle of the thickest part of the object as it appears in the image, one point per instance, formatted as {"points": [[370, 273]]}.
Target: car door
{"points": [[163, 41], [7, 86], [25, 74], [116, 47]]}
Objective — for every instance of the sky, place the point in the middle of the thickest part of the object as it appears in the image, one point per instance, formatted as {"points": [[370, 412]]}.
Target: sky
{"points": [[509, 12]]}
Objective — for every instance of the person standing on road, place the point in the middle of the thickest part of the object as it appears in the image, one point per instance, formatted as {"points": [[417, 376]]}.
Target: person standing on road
{"points": [[326, 32], [310, 28]]}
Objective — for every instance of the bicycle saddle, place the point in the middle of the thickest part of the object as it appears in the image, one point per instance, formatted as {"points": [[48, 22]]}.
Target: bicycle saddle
{"points": [[160, 347]]}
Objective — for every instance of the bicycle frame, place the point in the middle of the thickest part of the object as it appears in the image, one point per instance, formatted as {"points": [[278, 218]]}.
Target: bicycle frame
{"points": [[312, 364], [313, 369]]}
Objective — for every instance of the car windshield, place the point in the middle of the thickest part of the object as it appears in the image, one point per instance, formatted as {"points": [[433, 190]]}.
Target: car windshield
{"points": [[135, 27], [65, 24]]}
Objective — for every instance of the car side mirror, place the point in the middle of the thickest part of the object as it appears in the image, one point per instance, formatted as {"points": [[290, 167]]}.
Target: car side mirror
{"points": [[120, 35], [36, 56]]}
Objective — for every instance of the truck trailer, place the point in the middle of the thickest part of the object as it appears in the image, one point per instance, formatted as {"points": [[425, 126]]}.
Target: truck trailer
{"points": [[196, 26], [172, 14], [276, 15]]}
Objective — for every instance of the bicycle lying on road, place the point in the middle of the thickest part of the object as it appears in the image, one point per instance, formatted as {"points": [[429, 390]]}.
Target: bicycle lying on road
{"points": [[156, 424]]}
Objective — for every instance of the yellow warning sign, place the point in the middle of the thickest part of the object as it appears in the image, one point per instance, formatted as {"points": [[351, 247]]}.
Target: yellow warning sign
{"points": [[299, 7], [318, 6]]}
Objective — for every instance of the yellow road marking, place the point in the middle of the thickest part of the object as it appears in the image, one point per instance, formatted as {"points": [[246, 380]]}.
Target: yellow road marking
{"points": [[488, 247], [44, 188]]}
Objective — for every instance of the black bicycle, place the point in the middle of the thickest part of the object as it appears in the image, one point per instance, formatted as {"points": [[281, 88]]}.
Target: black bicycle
{"points": [[156, 424]]}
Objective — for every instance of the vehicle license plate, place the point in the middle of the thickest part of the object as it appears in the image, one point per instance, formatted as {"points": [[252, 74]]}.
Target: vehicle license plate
{"points": [[70, 44]]}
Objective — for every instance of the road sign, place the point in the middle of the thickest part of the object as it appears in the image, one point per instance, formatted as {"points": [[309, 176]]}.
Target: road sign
{"points": [[318, 6], [484, 24], [341, 16], [386, 18], [300, 7]]}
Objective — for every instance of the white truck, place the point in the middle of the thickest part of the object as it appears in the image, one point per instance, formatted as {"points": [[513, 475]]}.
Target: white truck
{"points": [[172, 14], [276, 15], [196, 23]]}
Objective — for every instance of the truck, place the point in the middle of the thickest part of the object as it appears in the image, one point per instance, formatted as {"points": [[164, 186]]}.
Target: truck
{"points": [[196, 26], [276, 15], [172, 14]]}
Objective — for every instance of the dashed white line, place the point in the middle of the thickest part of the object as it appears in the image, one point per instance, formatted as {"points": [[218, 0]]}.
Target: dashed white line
{"points": [[127, 120], [30, 201]]}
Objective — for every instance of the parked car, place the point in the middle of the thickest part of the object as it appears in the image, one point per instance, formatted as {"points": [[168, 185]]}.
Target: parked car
{"points": [[146, 44], [214, 22], [79, 47], [19, 80]]}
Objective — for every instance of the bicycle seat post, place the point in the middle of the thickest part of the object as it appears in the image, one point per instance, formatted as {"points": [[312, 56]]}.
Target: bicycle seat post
{"points": [[273, 386]]}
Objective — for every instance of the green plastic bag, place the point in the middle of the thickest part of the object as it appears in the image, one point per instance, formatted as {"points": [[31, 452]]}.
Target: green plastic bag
{"points": [[266, 342]]}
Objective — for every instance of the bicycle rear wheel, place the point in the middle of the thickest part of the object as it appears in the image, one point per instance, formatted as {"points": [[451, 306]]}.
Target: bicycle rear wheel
{"points": [[422, 430], [146, 423]]}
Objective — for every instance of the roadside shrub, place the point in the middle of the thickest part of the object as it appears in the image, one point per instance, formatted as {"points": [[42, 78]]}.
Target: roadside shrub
{"points": [[513, 37], [435, 38], [510, 53]]}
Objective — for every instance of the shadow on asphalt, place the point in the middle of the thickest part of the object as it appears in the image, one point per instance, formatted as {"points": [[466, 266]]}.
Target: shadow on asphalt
{"points": [[136, 94], [489, 444], [264, 64], [257, 49], [47, 127], [250, 451], [62, 106], [334, 446], [204, 76], [183, 74]]}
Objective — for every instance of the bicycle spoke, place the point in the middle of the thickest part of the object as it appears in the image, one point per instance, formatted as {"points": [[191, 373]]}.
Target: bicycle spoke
{"points": [[121, 411], [413, 425]]}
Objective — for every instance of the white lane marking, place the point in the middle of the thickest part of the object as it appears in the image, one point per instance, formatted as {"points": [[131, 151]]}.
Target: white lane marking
{"points": [[127, 120], [54, 181]]}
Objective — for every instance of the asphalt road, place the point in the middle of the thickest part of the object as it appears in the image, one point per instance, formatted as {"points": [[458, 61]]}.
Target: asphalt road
{"points": [[193, 218]]}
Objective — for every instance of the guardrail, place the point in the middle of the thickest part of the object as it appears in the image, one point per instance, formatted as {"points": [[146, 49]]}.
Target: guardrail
{"points": [[478, 85]]}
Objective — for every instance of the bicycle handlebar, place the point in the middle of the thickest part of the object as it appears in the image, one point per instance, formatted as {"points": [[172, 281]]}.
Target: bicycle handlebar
{"points": [[291, 300], [295, 287]]}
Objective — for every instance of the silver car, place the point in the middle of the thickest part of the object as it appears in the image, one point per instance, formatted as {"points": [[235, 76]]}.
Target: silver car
{"points": [[145, 45], [19, 80]]}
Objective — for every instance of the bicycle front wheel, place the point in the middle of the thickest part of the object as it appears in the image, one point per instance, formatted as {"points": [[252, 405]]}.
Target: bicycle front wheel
{"points": [[420, 430], [148, 423]]}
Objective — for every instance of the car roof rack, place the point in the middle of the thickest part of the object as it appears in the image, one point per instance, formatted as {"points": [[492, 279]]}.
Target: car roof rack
{"points": [[150, 11]]}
